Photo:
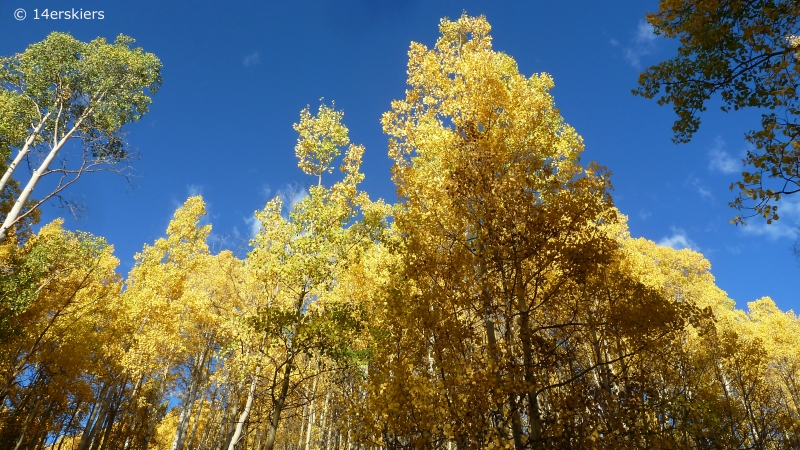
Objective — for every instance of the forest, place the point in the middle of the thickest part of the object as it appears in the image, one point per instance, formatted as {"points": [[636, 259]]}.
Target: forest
{"points": [[499, 302]]}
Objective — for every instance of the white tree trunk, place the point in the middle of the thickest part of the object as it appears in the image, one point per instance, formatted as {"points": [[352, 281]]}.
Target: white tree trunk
{"points": [[27, 422], [278, 406], [196, 376], [14, 214], [324, 418], [26, 148], [98, 416], [246, 411], [311, 411]]}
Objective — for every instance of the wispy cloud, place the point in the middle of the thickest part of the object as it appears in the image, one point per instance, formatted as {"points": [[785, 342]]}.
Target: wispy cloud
{"points": [[253, 226], [721, 161], [643, 43], [697, 185], [786, 227], [194, 190], [251, 59], [644, 215], [645, 33], [678, 240], [733, 249], [290, 195]]}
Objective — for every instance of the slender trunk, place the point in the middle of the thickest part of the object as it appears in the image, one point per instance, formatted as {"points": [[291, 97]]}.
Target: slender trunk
{"points": [[324, 416], [246, 411], [185, 416], [491, 337], [151, 419], [279, 402], [199, 412], [516, 422], [111, 416], [14, 214], [534, 414], [310, 425], [195, 375], [129, 427], [26, 148], [34, 348], [311, 410], [197, 415], [330, 435], [223, 426], [208, 425], [231, 417], [302, 427], [149, 433], [98, 413], [276, 414], [28, 420], [65, 428], [42, 441], [105, 429]]}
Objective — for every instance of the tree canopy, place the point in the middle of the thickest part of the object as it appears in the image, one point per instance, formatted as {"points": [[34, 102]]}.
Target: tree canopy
{"points": [[501, 302], [61, 90], [746, 53]]}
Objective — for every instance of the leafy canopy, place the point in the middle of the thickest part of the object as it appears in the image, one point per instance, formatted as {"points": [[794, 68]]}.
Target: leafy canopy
{"points": [[96, 86], [747, 52], [320, 139]]}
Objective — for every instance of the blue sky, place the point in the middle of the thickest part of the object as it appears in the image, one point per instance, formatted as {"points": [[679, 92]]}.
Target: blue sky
{"points": [[236, 76]]}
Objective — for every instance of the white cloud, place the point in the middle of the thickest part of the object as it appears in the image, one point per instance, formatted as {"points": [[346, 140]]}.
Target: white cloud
{"points": [[697, 184], [251, 59], [705, 193], [645, 33], [253, 226], [678, 241], [292, 195], [644, 215], [614, 42], [775, 230], [194, 190], [786, 227], [733, 250], [721, 161], [642, 44]]}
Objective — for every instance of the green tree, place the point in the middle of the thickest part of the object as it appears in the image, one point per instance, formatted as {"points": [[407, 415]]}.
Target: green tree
{"points": [[747, 52], [300, 259], [62, 89], [12, 134]]}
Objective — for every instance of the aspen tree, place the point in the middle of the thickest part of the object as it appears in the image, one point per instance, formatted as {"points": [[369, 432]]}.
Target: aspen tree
{"points": [[64, 90]]}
